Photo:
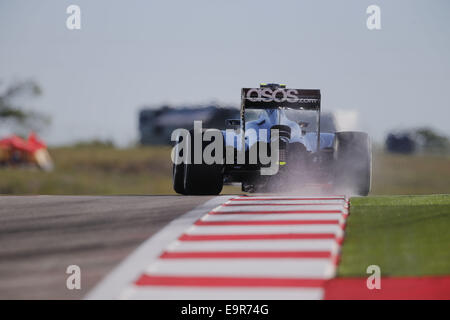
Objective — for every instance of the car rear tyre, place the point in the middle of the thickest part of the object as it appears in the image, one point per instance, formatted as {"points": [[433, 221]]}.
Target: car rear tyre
{"points": [[178, 178], [202, 179], [353, 155]]}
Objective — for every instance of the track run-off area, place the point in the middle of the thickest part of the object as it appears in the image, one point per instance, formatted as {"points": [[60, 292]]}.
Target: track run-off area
{"points": [[237, 247]]}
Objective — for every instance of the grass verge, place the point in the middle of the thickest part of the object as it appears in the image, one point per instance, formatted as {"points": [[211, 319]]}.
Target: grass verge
{"points": [[404, 235]]}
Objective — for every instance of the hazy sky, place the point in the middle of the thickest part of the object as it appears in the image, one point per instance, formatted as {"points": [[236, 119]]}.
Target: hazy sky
{"points": [[134, 53]]}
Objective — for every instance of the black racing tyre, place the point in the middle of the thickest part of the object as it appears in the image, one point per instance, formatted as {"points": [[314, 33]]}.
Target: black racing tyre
{"points": [[353, 156], [178, 172], [178, 178], [202, 179]]}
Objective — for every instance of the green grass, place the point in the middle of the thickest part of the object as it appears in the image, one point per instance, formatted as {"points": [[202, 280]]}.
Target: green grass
{"points": [[404, 235]]}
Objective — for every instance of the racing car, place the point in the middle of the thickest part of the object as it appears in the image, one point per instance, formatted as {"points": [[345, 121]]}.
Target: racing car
{"points": [[335, 161]]}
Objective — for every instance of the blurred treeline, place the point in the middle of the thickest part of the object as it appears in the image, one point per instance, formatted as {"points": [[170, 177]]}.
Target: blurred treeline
{"points": [[13, 109]]}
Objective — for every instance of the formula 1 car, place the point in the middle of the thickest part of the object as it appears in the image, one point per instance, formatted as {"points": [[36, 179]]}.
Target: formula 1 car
{"points": [[277, 120]]}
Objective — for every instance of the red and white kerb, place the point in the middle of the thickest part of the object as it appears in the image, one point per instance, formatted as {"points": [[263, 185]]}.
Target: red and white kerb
{"points": [[250, 247]]}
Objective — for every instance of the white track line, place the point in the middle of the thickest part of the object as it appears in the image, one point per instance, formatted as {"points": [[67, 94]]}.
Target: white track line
{"points": [[294, 197], [282, 207], [335, 229], [309, 203], [256, 245], [270, 268], [277, 216]]}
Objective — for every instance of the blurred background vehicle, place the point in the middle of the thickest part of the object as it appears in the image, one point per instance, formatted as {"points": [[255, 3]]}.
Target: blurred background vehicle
{"points": [[18, 152], [421, 140], [156, 125]]}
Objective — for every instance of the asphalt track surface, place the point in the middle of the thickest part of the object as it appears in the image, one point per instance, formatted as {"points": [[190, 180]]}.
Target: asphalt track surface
{"points": [[41, 235]]}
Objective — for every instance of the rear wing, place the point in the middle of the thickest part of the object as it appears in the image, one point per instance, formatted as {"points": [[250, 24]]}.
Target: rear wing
{"points": [[274, 96], [271, 98]]}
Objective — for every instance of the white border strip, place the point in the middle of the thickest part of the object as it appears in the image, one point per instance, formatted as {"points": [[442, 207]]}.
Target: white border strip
{"points": [[134, 265]]}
